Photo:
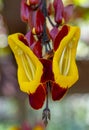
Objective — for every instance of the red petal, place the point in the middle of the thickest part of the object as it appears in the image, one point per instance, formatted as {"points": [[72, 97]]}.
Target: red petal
{"points": [[39, 22], [57, 91], [37, 99], [59, 9], [48, 74], [62, 33]]}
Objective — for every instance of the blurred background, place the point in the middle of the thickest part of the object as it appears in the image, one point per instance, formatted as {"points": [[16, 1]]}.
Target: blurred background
{"points": [[72, 112]]}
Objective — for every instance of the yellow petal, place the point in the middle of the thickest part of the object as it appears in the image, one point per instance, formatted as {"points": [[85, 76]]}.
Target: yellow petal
{"points": [[64, 64], [30, 68]]}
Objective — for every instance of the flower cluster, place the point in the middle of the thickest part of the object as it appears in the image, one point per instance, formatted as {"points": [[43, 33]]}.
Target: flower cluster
{"points": [[45, 55]]}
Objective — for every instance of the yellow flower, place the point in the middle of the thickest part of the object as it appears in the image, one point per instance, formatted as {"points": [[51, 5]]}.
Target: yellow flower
{"points": [[29, 67], [34, 73], [64, 64]]}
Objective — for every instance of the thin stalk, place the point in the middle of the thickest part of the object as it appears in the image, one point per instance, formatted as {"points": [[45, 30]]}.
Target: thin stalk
{"points": [[45, 41], [46, 112], [45, 38]]}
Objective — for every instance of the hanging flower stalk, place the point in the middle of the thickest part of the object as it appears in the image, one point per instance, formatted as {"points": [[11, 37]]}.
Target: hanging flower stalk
{"points": [[45, 56]]}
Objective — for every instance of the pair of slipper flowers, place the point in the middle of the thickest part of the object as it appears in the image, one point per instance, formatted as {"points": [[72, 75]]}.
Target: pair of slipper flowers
{"points": [[41, 65]]}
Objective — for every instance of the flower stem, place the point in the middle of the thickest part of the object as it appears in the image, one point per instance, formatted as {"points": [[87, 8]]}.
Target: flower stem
{"points": [[50, 21], [45, 37], [46, 112]]}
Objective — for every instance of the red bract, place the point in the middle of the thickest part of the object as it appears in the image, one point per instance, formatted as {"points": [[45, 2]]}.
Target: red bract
{"points": [[36, 21], [24, 11], [62, 14], [59, 36], [59, 10]]}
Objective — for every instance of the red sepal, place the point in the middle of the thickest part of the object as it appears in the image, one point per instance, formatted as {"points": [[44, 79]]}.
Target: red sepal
{"points": [[62, 33], [57, 91], [59, 10], [24, 11], [37, 99], [36, 20]]}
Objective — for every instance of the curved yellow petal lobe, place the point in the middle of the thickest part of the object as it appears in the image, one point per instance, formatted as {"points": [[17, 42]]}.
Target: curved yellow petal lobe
{"points": [[30, 68], [64, 64]]}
